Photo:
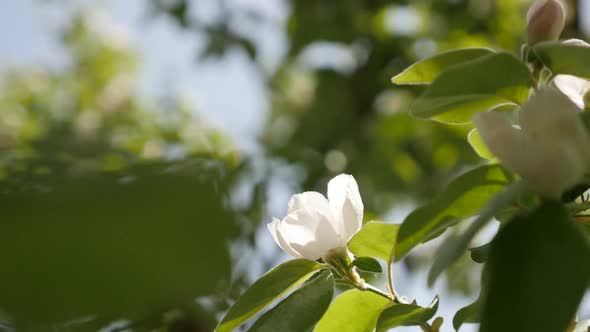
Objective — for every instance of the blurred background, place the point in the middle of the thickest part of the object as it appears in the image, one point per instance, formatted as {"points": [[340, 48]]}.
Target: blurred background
{"points": [[144, 145]]}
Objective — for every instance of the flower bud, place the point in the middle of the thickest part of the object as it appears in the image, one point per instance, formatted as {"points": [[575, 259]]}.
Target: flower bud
{"points": [[545, 21]]}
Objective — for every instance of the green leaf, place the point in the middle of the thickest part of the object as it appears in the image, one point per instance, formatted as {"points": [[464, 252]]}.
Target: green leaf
{"points": [[425, 71], [479, 146], [474, 86], [405, 315], [480, 254], [301, 310], [585, 117], [375, 239], [463, 197], [454, 246], [266, 290], [563, 58], [353, 311], [368, 264], [538, 273], [468, 314]]}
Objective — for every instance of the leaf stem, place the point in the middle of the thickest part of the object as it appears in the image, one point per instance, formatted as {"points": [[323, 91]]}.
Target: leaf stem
{"points": [[365, 287], [392, 291], [370, 288]]}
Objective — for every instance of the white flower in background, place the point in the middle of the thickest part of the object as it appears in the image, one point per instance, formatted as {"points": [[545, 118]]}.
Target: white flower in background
{"points": [[545, 21], [574, 87], [551, 150], [316, 226]]}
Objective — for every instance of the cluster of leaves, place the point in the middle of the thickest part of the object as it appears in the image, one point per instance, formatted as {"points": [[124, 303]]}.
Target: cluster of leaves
{"points": [[536, 268], [390, 154]]}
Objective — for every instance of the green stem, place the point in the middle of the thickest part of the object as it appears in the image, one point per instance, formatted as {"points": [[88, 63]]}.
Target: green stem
{"points": [[365, 287], [375, 290], [392, 291]]}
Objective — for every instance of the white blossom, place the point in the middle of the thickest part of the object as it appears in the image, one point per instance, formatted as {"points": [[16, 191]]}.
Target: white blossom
{"points": [[574, 87], [315, 226], [550, 150]]}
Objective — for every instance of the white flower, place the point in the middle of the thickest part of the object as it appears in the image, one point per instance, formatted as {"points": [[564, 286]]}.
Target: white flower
{"points": [[545, 21], [551, 150], [574, 87], [314, 225]]}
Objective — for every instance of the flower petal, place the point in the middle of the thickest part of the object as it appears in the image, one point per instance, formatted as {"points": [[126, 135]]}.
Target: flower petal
{"points": [[549, 168], [550, 118], [280, 240], [543, 114], [310, 233], [576, 42], [573, 87], [347, 205], [311, 200]]}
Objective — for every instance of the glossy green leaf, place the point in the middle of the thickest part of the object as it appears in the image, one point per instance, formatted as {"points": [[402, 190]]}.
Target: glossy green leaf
{"points": [[353, 311], [538, 273], [368, 264], [474, 86], [301, 310], [463, 197], [563, 58], [375, 239], [455, 245], [467, 314], [478, 145], [425, 71], [266, 290], [405, 315]]}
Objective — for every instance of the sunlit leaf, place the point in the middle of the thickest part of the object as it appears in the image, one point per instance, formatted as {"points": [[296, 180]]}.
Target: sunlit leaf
{"points": [[455, 245], [538, 273], [368, 264], [479, 146], [463, 197], [266, 290], [353, 311], [375, 239], [425, 71], [405, 315], [301, 310], [474, 86], [563, 58]]}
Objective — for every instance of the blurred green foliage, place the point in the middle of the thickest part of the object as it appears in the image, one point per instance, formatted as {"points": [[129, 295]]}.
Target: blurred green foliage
{"points": [[117, 245], [89, 116], [113, 207], [330, 119]]}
